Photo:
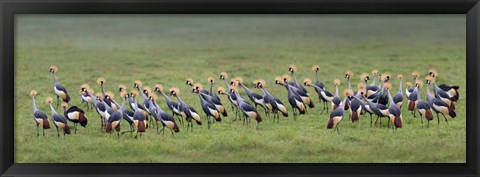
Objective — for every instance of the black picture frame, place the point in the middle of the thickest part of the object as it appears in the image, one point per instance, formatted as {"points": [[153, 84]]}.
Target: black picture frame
{"points": [[9, 8]]}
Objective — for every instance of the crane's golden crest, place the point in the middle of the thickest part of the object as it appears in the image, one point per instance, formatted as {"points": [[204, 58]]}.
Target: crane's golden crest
{"points": [[123, 87], [433, 71], [86, 86], [278, 80], [315, 68], [361, 86], [224, 75], [307, 81], [123, 94], [153, 96], [349, 73], [197, 86], [286, 77], [385, 76], [159, 87], [238, 80], [348, 92], [210, 79], [134, 93], [363, 76], [189, 81], [409, 85], [400, 76], [387, 86], [110, 94], [374, 72], [233, 88], [53, 68], [336, 82], [49, 100], [99, 95], [64, 105], [259, 81], [429, 78], [100, 80], [147, 89], [174, 90], [33, 93], [220, 89], [138, 83], [90, 90], [293, 68], [415, 74], [419, 83]]}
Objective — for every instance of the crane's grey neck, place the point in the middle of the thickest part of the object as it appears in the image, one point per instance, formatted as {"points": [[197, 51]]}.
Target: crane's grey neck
{"points": [[239, 98], [315, 86], [349, 84], [35, 108], [103, 90], [373, 82], [226, 83], [55, 80], [336, 90], [419, 98], [429, 96], [211, 88], [180, 100], [265, 93], [246, 89], [342, 105], [52, 109], [135, 103], [390, 98], [318, 79], [295, 80], [166, 97], [400, 89]]}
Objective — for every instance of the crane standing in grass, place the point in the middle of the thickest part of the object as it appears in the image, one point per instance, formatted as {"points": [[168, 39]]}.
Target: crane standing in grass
{"points": [[248, 110], [75, 115], [337, 114], [294, 99], [116, 118], [208, 107], [85, 97], [60, 91], [394, 112], [254, 97], [445, 96], [231, 97], [437, 104], [190, 112], [398, 98], [101, 81], [59, 121], [323, 95], [336, 101], [139, 116], [172, 105], [41, 119], [423, 108], [271, 102], [167, 120]]}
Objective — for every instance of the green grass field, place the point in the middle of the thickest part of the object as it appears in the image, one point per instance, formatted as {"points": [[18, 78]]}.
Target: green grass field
{"points": [[167, 49]]}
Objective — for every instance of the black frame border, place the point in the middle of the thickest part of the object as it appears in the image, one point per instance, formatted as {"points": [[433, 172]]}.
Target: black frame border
{"points": [[8, 9]]}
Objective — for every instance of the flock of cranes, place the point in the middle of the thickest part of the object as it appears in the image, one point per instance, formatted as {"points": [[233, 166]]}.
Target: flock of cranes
{"points": [[372, 99]]}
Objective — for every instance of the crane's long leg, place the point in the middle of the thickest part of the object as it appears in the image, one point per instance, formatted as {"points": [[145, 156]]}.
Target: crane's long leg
{"points": [[38, 134], [438, 119], [58, 97], [371, 119], [43, 132], [421, 119], [118, 135], [58, 133], [445, 118], [208, 121], [75, 128]]}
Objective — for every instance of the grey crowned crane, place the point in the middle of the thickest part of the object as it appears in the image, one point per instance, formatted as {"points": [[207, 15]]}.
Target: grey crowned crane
{"points": [[398, 98], [172, 105], [445, 96], [412, 100], [254, 97], [382, 97], [248, 110], [304, 95], [75, 115], [337, 114], [208, 107], [211, 80], [375, 75], [415, 75], [215, 101], [167, 120], [292, 69], [294, 99], [59, 121], [127, 114], [145, 103], [101, 81], [116, 118], [366, 107], [408, 90], [231, 97], [190, 112], [96, 102], [41, 119], [437, 104], [324, 95], [394, 113], [379, 109], [189, 82], [348, 76], [355, 107], [423, 108], [139, 116], [336, 101], [372, 88], [60, 91], [271, 102], [85, 97]]}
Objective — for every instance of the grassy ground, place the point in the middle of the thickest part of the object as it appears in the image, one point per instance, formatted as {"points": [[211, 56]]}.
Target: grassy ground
{"points": [[167, 49]]}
